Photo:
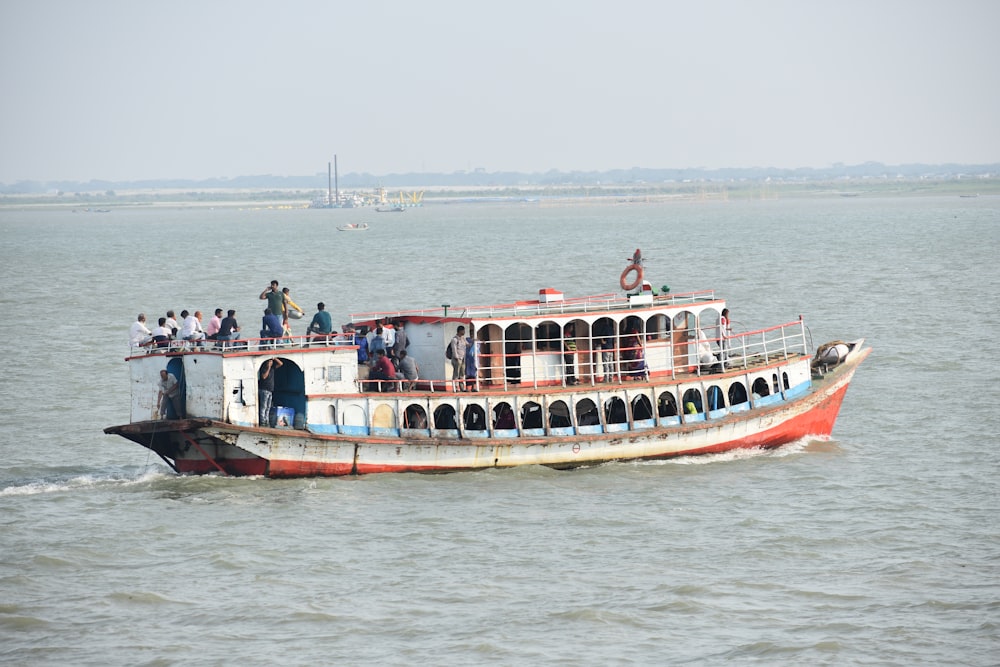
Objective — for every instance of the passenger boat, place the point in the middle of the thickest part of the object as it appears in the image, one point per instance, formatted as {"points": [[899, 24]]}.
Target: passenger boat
{"points": [[563, 382], [353, 227]]}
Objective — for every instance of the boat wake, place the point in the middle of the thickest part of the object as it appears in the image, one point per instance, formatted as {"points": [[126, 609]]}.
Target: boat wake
{"points": [[84, 482], [806, 444]]}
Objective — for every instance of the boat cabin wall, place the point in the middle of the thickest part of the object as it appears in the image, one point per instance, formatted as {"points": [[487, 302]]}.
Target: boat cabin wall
{"points": [[225, 387], [200, 378], [301, 383], [427, 343]]}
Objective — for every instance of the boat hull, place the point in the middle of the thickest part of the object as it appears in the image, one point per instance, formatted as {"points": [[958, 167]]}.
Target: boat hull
{"points": [[200, 446]]}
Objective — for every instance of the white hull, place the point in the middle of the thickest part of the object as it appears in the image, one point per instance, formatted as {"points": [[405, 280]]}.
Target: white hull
{"points": [[219, 447]]}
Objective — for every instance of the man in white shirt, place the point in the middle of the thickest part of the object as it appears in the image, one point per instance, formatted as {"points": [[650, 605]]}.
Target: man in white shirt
{"points": [[161, 334], [139, 334], [169, 396], [191, 329], [172, 323]]}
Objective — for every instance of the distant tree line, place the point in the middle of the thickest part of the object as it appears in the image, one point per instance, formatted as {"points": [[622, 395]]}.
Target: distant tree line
{"points": [[483, 179]]}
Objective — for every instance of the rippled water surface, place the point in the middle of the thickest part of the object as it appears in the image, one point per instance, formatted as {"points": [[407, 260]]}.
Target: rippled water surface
{"points": [[880, 546]]}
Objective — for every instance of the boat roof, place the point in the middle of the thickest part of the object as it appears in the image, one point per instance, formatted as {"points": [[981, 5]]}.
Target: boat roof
{"points": [[550, 302]]}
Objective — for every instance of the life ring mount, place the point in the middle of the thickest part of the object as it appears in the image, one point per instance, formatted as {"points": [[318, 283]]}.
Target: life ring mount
{"points": [[631, 285]]}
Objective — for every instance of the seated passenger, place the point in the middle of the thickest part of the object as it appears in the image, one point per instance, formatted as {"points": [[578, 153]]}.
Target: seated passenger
{"points": [[707, 359], [229, 329], [408, 370], [162, 333], [382, 370], [322, 324], [271, 325], [191, 327], [139, 335]]}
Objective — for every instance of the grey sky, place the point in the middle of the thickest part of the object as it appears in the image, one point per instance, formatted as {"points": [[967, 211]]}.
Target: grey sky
{"points": [[192, 89]]}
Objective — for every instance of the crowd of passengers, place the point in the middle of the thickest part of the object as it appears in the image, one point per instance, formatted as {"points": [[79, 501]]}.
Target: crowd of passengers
{"points": [[274, 325]]}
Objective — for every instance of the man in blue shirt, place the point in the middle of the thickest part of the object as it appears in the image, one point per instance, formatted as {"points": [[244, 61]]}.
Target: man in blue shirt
{"points": [[270, 325]]}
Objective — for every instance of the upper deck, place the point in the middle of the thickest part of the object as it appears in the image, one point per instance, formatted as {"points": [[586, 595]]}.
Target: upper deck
{"points": [[550, 302]]}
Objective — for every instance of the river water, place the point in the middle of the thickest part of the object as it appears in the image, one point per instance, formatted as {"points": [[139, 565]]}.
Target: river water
{"points": [[880, 546]]}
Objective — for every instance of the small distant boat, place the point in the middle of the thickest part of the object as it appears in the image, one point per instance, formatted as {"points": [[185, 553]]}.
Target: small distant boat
{"points": [[390, 209], [353, 227], [969, 196]]}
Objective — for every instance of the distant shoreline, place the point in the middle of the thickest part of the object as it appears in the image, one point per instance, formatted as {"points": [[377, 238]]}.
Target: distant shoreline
{"points": [[645, 193]]}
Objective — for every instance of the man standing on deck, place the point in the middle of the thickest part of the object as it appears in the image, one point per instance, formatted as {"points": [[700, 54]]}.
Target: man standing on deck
{"points": [[170, 396], [266, 389], [458, 346], [569, 355], [275, 300], [399, 345]]}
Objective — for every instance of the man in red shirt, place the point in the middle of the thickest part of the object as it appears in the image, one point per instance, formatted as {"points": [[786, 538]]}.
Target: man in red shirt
{"points": [[382, 370]]}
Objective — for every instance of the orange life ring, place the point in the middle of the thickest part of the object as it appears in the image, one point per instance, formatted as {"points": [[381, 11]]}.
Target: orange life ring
{"points": [[638, 277]]}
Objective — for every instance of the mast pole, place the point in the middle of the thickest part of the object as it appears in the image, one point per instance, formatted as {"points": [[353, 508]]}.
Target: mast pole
{"points": [[336, 185]]}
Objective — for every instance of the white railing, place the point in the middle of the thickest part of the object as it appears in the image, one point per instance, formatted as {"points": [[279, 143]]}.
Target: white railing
{"points": [[307, 341], [588, 304]]}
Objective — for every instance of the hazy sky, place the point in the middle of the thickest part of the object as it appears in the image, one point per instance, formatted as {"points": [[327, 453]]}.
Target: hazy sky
{"points": [[133, 89]]}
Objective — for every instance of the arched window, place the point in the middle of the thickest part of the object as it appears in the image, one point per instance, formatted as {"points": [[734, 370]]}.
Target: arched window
{"points": [[709, 321], [760, 387], [615, 411], [692, 402], [657, 326], [737, 393], [491, 354], [632, 323], [586, 413], [531, 415], [474, 418], [548, 336], [503, 417], [784, 380], [666, 405], [641, 408], [682, 334], [384, 417], [684, 321], [605, 344], [444, 417], [716, 399], [559, 415], [517, 340], [414, 417]]}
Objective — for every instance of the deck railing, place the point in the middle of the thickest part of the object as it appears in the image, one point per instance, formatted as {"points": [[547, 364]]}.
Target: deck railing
{"points": [[631, 357], [587, 304], [244, 344], [637, 357]]}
